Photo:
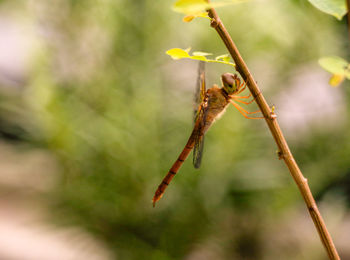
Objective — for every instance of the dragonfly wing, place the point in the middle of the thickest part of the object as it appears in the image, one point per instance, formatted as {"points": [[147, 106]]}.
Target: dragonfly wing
{"points": [[200, 90], [199, 136], [199, 116], [198, 151]]}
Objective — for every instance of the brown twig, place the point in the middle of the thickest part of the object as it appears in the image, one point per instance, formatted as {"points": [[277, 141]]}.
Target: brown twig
{"points": [[271, 120]]}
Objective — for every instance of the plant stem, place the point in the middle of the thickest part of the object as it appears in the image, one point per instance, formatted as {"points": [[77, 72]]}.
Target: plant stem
{"points": [[271, 120]]}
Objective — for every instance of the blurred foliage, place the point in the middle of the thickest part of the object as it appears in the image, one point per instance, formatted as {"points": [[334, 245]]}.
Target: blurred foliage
{"points": [[338, 67], [115, 111], [337, 8]]}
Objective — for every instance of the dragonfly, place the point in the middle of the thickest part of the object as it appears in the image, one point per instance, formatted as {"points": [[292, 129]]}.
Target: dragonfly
{"points": [[210, 105]]}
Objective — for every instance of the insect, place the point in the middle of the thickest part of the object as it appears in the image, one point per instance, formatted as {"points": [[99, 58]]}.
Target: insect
{"points": [[211, 104]]}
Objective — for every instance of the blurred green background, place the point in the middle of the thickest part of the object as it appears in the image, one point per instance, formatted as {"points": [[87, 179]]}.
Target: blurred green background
{"points": [[93, 114]]}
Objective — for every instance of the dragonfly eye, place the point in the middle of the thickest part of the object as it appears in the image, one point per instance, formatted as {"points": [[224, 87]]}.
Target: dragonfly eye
{"points": [[230, 82]]}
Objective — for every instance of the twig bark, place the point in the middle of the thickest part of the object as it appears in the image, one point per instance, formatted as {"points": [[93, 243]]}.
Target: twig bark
{"points": [[271, 120]]}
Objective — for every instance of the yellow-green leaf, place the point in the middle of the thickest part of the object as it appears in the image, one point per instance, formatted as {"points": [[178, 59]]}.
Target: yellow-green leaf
{"points": [[178, 53], [336, 79], [191, 7], [198, 57], [334, 64], [198, 8], [337, 8], [200, 53], [189, 18], [224, 57], [339, 67]]}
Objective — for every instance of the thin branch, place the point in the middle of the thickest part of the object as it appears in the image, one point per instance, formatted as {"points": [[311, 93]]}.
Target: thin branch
{"points": [[271, 120]]}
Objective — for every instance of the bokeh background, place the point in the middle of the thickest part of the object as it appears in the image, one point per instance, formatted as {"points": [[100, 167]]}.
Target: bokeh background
{"points": [[93, 114]]}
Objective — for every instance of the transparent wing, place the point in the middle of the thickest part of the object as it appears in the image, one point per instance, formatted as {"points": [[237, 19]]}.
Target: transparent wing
{"points": [[200, 89], [199, 116], [198, 151], [199, 136]]}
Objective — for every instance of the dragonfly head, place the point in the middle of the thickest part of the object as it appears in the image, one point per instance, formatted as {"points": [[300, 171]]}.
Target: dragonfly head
{"points": [[230, 82]]}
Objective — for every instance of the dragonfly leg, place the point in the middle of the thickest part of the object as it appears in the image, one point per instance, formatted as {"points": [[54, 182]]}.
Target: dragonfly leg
{"points": [[241, 88], [243, 96], [245, 112], [243, 102]]}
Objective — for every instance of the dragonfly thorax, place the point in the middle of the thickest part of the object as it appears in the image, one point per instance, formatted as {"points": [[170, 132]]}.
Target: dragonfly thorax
{"points": [[217, 103], [230, 83]]}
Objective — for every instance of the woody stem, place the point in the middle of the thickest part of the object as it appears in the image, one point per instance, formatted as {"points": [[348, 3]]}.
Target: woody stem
{"points": [[271, 120]]}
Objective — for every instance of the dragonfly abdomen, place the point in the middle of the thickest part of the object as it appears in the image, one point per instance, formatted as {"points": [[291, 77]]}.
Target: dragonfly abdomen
{"points": [[174, 169]]}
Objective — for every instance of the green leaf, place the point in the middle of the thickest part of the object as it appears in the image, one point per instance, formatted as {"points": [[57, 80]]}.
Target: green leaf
{"points": [[224, 57], [178, 53], [200, 53], [334, 64], [189, 18], [191, 7], [339, 67], [198, 8], [337, 8]]}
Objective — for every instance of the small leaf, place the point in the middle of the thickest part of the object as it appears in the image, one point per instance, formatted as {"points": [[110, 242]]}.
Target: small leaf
{"points": [[339, 67], [190, 6], [203, 14], [336, 80], [224, 57], [198, 57], [178, 53], [337, 8], [188, 18], [198, 8], [273, 108], [199, 53], [334, 64]]}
